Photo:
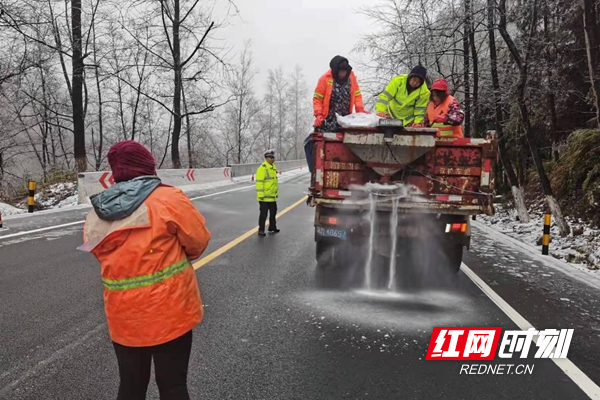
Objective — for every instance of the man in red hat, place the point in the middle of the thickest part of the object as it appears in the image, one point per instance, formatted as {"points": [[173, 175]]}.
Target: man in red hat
{"points": [[443, 111], [145, 235]]}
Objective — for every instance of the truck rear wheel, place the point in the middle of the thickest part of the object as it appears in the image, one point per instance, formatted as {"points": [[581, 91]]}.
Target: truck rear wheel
{"points": [[328, 255], [338, 264], [453, 255]]}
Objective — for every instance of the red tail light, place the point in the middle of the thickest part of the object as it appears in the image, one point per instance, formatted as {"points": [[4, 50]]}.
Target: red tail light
{"points": [[456, 228]]}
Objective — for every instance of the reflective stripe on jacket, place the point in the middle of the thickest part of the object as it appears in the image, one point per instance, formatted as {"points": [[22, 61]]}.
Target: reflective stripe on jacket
{"points": [[445, 130], [399, 104], [151, 294], [322, 96], [267, 186]]}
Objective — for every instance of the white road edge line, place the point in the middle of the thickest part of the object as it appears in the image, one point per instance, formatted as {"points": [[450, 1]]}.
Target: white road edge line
{"points": [[12, 235], [218, 193], [49, 228], [588, 386]]}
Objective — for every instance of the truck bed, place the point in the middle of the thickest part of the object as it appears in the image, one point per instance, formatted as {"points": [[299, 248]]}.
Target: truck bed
{"points": [[451, 176]]}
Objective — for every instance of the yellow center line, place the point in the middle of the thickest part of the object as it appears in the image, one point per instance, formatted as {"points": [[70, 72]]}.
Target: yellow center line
{"points": [[205, 260]]}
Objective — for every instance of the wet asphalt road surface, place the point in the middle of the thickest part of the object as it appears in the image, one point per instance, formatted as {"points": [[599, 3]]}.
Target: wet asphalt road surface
{"points": [[271, 333]]}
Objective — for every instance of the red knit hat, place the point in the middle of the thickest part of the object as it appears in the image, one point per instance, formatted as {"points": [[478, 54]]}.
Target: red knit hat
{"points": [[440, 85], [129, 159]]}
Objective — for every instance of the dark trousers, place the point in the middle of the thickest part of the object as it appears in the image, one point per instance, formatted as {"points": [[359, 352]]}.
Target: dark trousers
{"points": [[269, 208], [170, 363]]}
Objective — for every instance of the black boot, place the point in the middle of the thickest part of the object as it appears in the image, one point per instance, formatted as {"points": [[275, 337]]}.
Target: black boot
{"points": [[261, 233], [274, 230]]}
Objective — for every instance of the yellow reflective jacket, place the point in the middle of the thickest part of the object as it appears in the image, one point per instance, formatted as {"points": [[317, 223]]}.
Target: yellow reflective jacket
{"points": [[399, 104], [267, 187]]}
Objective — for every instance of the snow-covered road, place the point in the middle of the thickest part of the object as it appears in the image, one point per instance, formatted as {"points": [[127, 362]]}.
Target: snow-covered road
{"points": [[270, 333]]}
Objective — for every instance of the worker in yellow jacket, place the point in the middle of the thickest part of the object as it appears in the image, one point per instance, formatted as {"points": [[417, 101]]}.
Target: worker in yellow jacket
{"points": [[405, 98], [267, 191]]}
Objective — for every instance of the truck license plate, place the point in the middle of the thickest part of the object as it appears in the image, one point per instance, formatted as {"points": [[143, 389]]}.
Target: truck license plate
{"points": [[331, 232], [391, 122]]}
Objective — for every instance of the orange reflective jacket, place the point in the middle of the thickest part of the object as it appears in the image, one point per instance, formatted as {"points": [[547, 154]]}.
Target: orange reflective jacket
{"points": [[447, 131], [151, 294], [322, 95]]}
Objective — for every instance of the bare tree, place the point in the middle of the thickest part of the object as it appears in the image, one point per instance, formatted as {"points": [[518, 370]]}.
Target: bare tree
{"points": [[466, 67], [513, 181], [299, 102], [97, 149], [241, 114], [590, 28], [77, 92], [522, 65], [277, 82], [183, 25]]}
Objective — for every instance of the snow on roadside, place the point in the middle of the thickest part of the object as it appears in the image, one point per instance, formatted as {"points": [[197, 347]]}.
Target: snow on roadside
{"points": [[7, 209], [581, 248], [63, 195], [58, 195]]}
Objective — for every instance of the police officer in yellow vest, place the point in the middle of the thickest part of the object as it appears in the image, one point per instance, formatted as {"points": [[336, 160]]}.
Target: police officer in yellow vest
{"points": [[267, 191], [405, 98]]}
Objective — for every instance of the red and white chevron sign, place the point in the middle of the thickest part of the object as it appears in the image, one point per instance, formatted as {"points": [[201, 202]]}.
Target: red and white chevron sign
{"points": [[227, 172], [190, 175], [106, 183]]}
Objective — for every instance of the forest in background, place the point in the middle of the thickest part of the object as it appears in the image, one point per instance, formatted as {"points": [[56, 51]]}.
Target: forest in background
{"points": [[78, 76], [528, 70]]}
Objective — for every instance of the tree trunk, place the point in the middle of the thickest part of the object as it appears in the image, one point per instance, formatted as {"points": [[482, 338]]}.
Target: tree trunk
{"points": [[188, 132], [516, 190], [475, 60], [552, 109], [549, 94], [98, 88], [175, 158], [121, 105], [46, 126], [138, 97], [164, 157], [100, 125], [563, 226], [239, 126], [466, 66], [590, 29], [150, 130], [53, 144], [77, 95]]}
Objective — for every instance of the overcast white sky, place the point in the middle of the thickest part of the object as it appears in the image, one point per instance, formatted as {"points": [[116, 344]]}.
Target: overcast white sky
{"points": [[308, 32]]}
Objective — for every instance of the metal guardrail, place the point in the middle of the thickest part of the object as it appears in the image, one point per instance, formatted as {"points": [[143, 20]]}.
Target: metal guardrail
{"points": [[238, 170], [90, 183]]}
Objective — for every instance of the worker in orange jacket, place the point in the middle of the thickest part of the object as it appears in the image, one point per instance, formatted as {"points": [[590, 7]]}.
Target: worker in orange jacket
{"points": [[337, 92], [444, 112], [145, 235]]}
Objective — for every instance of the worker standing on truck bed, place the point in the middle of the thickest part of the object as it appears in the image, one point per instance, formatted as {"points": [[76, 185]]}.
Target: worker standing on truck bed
{"points": [[405, 98], [267, 191], [444, 111], [337, 92]]}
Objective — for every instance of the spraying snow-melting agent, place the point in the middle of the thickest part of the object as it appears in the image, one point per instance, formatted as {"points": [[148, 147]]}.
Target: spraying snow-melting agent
{"points": [[393, 193]]}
